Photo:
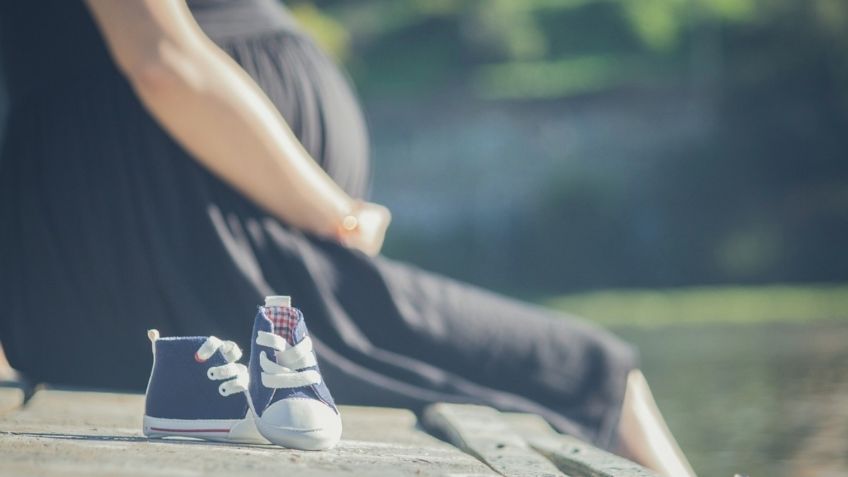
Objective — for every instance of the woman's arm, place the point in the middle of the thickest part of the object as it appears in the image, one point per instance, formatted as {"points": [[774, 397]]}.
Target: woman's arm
{"points": [[219, 114]]}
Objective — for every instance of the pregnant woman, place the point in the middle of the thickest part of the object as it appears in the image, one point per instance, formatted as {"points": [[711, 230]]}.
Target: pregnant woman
{"points": [[166, 165]]}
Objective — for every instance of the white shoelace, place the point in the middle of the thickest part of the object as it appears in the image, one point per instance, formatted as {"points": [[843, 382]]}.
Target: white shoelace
{"points": [[231, 353], [283, 373]]}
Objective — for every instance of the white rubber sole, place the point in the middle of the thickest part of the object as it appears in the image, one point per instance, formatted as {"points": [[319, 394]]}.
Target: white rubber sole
{"points": [[297, 423], [310, 440], [223, 430]]}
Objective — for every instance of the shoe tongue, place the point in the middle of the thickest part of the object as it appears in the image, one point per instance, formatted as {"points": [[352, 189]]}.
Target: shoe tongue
{"points": [[286, 323]]}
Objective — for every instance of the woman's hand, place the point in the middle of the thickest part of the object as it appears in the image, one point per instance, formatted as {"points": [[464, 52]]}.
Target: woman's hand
{"points": [[369, 230]]}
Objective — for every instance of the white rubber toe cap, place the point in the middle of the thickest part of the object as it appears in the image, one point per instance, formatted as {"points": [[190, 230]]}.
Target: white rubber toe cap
{"points": [[299, 423]]}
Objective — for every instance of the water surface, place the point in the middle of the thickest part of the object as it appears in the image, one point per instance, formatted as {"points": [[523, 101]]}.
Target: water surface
{"points": [[763, 400]]}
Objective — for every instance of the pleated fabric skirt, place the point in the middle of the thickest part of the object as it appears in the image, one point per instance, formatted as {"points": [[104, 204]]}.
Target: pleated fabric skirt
{"points": [[110, 228]]}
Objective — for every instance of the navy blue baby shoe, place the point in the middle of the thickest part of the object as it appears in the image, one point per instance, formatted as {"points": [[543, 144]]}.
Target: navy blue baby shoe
{"points": [[293, 405], [198, 389]]}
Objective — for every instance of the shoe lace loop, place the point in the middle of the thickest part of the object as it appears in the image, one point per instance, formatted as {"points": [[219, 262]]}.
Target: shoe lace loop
{"points": [[233, 374], [288, 370]]}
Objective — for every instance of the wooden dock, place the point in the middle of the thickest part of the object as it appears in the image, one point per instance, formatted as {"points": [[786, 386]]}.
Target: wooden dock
{"points": [[79, 433]]}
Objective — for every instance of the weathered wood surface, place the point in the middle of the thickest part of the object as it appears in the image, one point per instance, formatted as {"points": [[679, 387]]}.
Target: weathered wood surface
{"points": [[571, 455], [481, 432], [74, 433], [69, 433], [11, 398]]}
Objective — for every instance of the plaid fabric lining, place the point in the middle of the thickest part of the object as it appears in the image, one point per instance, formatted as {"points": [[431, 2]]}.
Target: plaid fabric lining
{"points": [[284, 320]]}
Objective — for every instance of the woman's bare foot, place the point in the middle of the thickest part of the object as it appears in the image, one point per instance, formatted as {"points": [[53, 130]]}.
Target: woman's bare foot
{"points": [[643, 434], [6, 371]]}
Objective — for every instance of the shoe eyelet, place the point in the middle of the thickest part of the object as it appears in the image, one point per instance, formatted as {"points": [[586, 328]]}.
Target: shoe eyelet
{"points": [[210, 373], [222, 391]]}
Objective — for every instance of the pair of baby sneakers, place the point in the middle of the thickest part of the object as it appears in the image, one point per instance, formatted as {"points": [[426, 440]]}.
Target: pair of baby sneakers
{"points": [[199, 389]]}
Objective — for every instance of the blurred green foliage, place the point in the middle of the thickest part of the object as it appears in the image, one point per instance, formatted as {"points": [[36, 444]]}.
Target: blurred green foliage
{"points": [[509, 38], [674, 142]]}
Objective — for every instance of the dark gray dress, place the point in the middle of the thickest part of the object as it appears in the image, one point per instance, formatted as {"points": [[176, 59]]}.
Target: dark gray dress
{"points": [[110, 228]]}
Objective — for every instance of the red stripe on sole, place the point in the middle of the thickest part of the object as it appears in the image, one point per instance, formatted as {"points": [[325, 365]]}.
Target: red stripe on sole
{"points": [[162, 429]]}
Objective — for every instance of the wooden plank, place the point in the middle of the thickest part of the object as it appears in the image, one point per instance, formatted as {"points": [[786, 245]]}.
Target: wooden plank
{"points": [[11, 398], [572, 455], [64, 410], [481, 432], [97, 434]]}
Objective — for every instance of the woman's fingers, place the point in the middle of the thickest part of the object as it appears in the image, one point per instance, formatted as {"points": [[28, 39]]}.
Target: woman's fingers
{"points": [[373, 221]]}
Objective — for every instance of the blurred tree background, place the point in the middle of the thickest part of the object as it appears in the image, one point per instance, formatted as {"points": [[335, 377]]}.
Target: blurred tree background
{"points": [[545, 146]]}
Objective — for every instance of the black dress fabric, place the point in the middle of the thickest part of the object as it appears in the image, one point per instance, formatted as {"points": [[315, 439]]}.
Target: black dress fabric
{"points": [[109, 228]]}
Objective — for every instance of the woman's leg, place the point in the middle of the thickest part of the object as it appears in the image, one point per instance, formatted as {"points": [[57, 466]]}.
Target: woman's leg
{"points": [[643, 435], [566, 356]]}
